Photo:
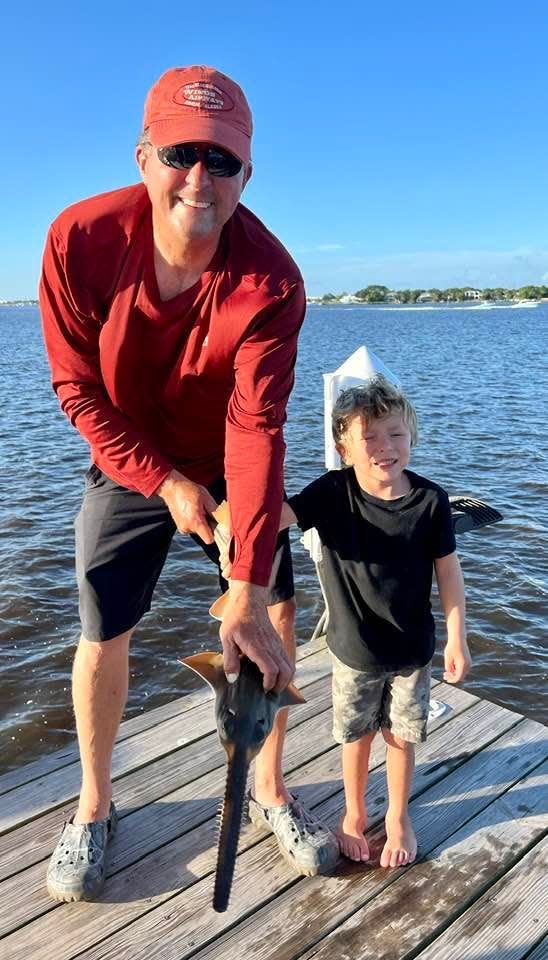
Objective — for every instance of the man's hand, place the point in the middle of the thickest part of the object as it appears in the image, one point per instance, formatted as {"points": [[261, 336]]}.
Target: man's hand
{"points": [[457, 661], [246, 629], [189, 503]]}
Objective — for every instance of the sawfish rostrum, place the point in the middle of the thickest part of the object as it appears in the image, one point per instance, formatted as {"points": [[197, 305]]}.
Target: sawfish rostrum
{"points": [[245, 714]]}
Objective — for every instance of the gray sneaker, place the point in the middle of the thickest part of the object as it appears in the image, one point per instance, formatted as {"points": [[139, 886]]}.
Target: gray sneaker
{"points": [[307, 844], [77, 867]]}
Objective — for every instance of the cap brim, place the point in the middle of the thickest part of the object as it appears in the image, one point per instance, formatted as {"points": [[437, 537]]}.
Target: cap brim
{"points": [[165, 133]]}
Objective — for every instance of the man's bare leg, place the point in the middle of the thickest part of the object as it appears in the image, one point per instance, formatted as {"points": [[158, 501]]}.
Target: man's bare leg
{"points": [[401, 843], [269, 788], [99, 692], [355, 764]]}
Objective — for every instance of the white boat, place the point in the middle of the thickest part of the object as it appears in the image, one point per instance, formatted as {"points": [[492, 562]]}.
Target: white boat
{"points": [[526, 303]]}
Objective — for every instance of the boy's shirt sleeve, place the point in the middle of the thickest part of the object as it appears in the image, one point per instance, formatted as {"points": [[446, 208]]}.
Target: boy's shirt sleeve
{"points": [[311, 505], [443, 535]]}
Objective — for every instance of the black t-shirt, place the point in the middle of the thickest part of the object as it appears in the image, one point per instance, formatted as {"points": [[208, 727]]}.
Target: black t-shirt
{"points": [[377, 565]]}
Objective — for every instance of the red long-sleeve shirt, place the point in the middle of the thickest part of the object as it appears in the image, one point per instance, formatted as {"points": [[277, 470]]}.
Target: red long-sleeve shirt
{"points": [[198, 383]]}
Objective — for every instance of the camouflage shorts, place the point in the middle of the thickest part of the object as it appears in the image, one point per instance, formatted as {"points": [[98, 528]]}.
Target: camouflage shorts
{"points": [[363, 702]]}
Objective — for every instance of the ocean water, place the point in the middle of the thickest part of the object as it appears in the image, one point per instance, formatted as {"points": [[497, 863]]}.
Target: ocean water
{"points": [[479, 381]]}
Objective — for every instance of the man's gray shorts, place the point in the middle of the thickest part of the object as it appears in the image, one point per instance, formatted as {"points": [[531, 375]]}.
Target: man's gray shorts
{"points": [[363, 702], [122, 541]]}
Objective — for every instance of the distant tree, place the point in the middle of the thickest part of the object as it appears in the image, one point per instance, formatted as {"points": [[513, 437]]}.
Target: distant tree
{"points": [[454, 293], [375, 293], [529, 293], [329, 297]]}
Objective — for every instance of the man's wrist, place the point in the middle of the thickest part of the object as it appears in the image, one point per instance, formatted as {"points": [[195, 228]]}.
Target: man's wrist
{"points": [[244, 592], [168, 483]]}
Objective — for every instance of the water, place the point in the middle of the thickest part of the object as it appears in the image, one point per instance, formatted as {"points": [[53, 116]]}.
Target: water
{"points": [[480, 384]]}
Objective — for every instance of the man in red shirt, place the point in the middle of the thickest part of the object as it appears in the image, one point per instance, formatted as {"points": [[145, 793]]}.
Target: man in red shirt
{"points": [[171, 318]]}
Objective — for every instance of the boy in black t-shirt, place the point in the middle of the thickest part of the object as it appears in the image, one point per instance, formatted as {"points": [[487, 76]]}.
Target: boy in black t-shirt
{"points": [[383, 531]]}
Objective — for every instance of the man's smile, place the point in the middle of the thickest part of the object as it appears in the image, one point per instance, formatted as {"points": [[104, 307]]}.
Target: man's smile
{"points": [[200, 204]]}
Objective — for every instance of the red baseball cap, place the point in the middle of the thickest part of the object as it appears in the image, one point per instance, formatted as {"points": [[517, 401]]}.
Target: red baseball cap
{"points": [[199, 103]]}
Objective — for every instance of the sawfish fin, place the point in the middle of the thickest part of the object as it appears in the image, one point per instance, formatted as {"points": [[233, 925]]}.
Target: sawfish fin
{"points": [[221, 514], [209, 666], [291, 696]]}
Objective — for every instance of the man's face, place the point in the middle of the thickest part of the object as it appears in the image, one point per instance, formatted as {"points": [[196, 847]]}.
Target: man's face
{"points": [[378, 449], [189, 204]]}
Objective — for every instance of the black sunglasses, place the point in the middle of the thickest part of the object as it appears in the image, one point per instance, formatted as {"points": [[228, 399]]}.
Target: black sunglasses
{"points": [[183, 156]]}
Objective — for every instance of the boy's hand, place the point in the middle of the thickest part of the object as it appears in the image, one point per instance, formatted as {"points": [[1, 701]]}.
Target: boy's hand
{"points": [[457, 661]]}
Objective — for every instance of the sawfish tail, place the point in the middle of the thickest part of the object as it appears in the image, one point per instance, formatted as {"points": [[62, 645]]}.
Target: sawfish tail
{"points": [[229, 831]]}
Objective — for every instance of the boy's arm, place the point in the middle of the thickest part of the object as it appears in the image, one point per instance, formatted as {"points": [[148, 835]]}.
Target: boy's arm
{"points": [[451, 590], [288, 516]]}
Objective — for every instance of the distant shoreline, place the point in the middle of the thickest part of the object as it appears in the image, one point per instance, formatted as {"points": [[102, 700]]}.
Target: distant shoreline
{"points": [[18, 303], [376, 293]]}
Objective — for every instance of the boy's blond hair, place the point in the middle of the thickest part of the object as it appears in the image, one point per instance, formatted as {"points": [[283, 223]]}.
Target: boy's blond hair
{"points": [[374, 399]]}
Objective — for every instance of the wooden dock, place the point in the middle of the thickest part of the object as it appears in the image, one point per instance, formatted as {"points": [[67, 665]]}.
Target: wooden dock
{"points": [[478, 891]]}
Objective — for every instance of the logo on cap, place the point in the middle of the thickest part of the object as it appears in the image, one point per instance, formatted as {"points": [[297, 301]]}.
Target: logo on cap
{"points": [[203, 96]]}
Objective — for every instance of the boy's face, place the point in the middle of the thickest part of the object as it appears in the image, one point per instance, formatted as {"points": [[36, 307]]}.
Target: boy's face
{"points": [[378, 449]]}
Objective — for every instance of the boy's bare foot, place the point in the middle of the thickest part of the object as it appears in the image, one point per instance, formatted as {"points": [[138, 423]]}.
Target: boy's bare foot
{"points": [[400, 848], [350, 834]]}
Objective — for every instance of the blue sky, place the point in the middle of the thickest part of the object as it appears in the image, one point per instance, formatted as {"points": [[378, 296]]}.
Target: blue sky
{"points": [[403, 144]]}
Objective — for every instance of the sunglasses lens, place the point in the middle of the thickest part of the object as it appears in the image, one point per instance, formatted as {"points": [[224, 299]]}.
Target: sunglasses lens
{"points": [[183, 156], [219, 163]]}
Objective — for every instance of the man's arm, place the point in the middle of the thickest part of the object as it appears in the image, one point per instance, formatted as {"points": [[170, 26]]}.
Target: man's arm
{"points": [[254, 472], [254, 452], [451, 590], [71, 332]]}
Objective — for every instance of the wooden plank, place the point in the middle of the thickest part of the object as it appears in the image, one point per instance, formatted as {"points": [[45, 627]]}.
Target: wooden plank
{"points": [[540, 952], [35, 839], [456, 873], [260, 874], [152, 825], [128, 728], [138, 724], [161, 824], [58, 787], [294, 921], [507, 921]]}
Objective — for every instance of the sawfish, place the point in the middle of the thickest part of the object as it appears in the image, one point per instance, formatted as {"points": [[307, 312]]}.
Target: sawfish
{"points": [[244, 713]]}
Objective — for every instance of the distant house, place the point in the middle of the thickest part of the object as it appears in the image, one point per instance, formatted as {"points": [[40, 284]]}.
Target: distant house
{"points": [[425, 297], [472, 295], [349, 298]]}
